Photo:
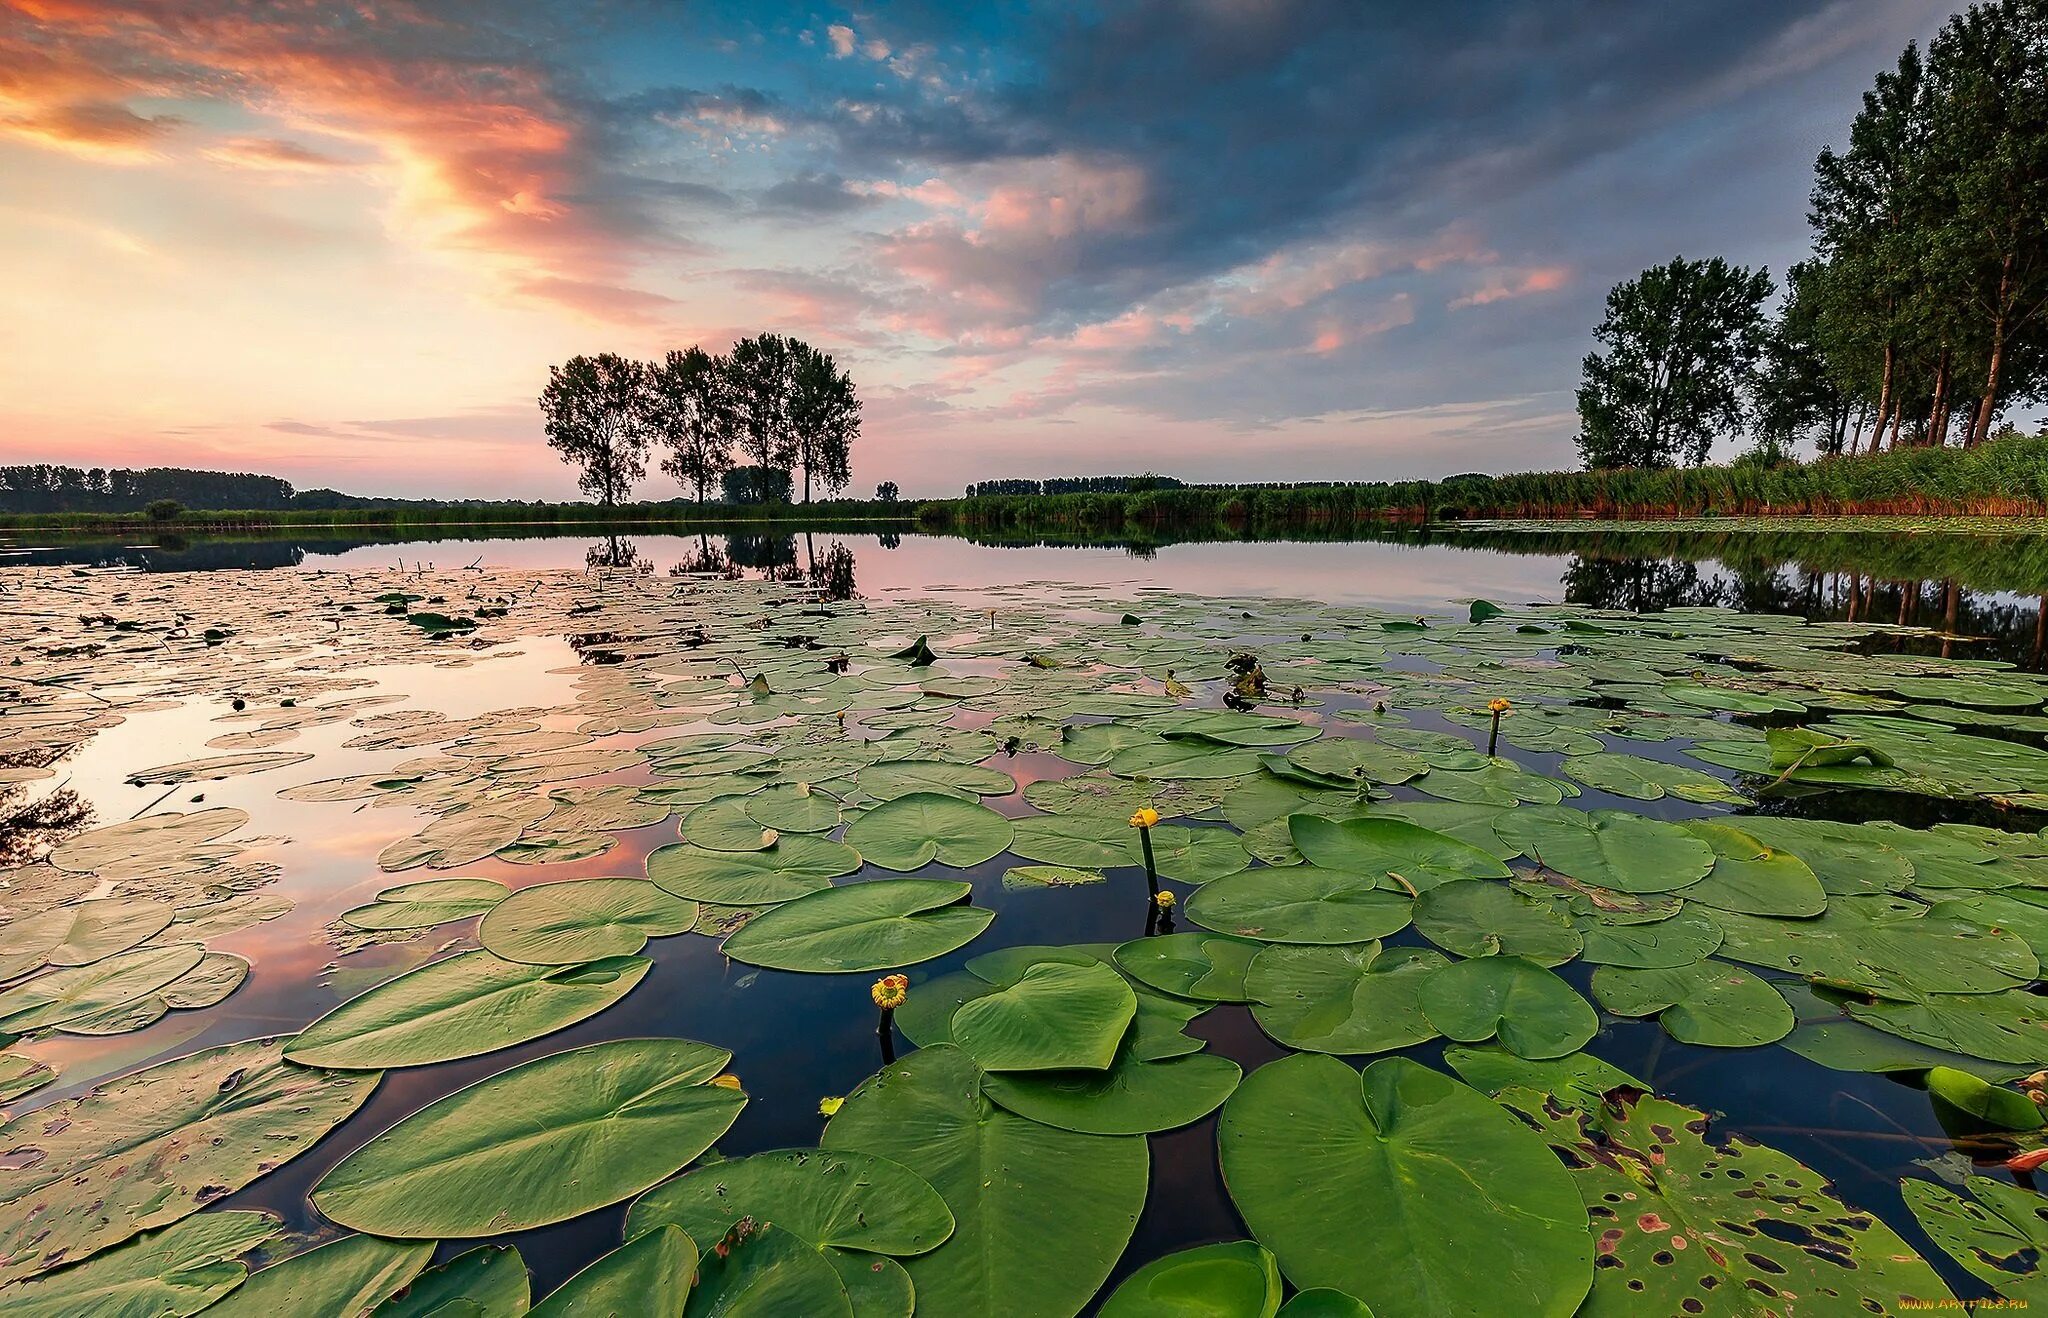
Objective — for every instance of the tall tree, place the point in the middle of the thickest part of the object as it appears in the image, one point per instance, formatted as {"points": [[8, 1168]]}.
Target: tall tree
{"points": [[824, 418], [686, 411], [1793, 394], [757, 374], [1680, 340], [595, 417], [1988, 69], [1869, 210]]}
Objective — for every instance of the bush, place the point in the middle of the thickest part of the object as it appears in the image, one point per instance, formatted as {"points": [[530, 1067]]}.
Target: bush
{"points": [[163, 510], [755, 485]]}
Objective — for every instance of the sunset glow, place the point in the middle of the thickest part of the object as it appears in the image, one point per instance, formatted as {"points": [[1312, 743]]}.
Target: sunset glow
{"points": [[342, 243]]}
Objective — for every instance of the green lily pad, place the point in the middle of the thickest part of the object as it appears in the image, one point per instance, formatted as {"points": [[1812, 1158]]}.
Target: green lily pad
{"points": [[560, 924], [483, 1283], [423, 905], [1534, 1013], [651, 1275], [1132, 1097], [1608, 848], [1663, 1201], [1206, 967], [1234, 1280], [796, 865], [1707, 1002], [1350, 999], [181, 1269], [157, 1146], [1385, 847], [1301, 904], [57, 997], [876, 925], [893, 778], [351, 1275], [793, 808], [1040, 1215], [469, 1004], [723, 824], [1996, 1232], [1416, 1145], [847, 1200], [916, 829], [760, 1268], [1751, 878], [1056, 1017], [1487, 919], [543, 1142], [1578, 1080], [1991, 1104]]}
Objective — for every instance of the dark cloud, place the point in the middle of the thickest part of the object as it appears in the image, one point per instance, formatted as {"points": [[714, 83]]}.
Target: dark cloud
{"points": [[811, 193]]}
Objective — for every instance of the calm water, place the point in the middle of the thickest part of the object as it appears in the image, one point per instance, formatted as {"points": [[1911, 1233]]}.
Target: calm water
{"points": [[797, 1038]]}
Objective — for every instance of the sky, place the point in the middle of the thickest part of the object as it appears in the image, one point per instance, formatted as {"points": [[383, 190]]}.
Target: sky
{"points": [[1220, 239]]}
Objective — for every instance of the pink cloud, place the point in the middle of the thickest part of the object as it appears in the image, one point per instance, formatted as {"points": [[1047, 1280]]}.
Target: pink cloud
{"points": [[1514, 284], [482, 157]]}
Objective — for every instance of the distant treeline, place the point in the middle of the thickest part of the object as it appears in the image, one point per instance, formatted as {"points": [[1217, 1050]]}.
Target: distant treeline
{"points": [[405, 515], [1075, 485], [2004, 477], [42, 487]]}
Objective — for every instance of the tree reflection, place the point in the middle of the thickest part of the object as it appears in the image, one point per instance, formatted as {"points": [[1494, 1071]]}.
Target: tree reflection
{"points": [[30, 828], [617, 554]]}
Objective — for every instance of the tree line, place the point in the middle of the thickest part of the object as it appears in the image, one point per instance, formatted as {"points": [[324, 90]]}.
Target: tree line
{"points": [[1074, 485], [42, 487], [1920, 316], [747, 420]]}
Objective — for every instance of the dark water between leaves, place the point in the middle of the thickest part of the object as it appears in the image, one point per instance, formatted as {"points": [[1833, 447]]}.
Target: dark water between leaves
{"points": [[799, 1038]]}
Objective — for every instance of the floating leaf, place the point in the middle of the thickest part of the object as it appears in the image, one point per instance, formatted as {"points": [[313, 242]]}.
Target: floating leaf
{"points": [[1207, 967], [1390, 848], [1991, 1104], [423, 905], [542, 1142], [1452, 1177], [1235, 1280], [469, 1004], [1486, 919], [57, 997], [914, 830], [762, 1269], [1608, 848], [1706, 1002], [845, 1199], [482, 1283], [1997, 1233], [794, 866], [1356, 998], [1533, 1012], [179, 1270], [877, 925], [649, 1275], [562, 924], [348, 1276], [1132, 1097], [1040, 1215], [157, 1146], [1056, 1017], [1665, 1205], [1300, 904]]}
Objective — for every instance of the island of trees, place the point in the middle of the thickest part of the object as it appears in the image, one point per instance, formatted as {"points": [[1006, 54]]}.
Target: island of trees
{"points": [[1923, 312], [749, 421]]}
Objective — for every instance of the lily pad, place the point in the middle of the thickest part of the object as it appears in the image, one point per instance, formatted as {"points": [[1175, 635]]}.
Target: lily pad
{"points": [[469, 1004], [1387, 848], [1706, 1002], [1206, 967], [543, 1142], [842, 1199], [1057, 1016], [156, 1146], [1487, 919], [1040, 1215], [877, 925], [181, 1269], [1234, 1280], [796, 865], [352, 1275], [1350, 999], [1997, 1232], [916, 829], [1300, 904], [1534, 1013], [560, 924], [1415, 1144], [1608, 848], [650, 1275]]}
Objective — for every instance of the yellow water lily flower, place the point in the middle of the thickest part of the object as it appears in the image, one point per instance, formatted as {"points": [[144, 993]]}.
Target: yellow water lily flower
{"points": [[891, 991], [1163, 900], [1145, 818], [1500, 704], [829, 1107]]}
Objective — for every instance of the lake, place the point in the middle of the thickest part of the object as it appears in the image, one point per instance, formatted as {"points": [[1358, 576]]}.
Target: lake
{"points": [[346, 694]]}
